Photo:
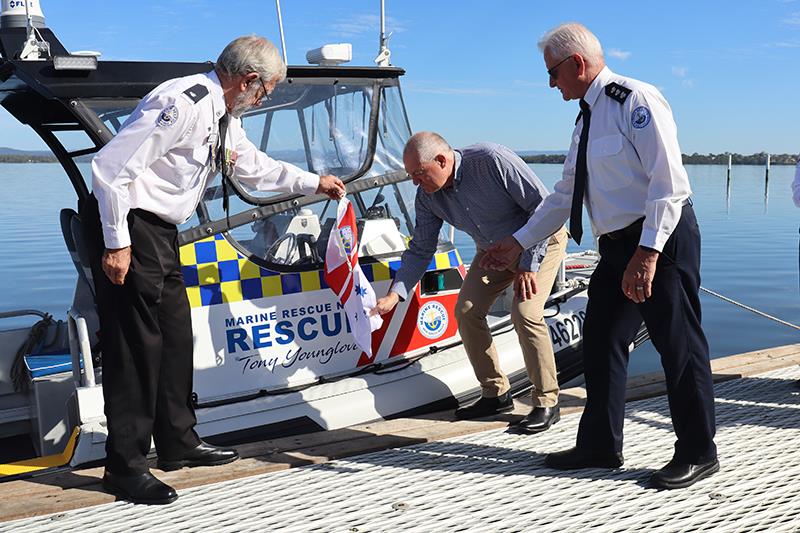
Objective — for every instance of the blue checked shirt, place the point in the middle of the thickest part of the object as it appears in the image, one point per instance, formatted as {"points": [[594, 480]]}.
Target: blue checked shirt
{"points": [[493, 194]]}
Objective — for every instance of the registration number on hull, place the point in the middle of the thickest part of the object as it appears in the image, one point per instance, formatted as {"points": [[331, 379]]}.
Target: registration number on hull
{"points": [[566, 330]]}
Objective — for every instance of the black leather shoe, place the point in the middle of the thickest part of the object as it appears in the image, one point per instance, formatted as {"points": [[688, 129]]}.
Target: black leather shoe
{"points": [[139, 488], [677, 475], [539, 419], [204, 455], [486, 407], [576, 458]]}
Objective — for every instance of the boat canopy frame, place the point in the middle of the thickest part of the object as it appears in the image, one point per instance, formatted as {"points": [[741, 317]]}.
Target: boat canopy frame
{"points": [[52, 101]]}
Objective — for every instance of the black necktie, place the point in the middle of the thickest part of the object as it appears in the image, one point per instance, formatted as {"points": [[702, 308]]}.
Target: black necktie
{"points": [[581, 173], [222, 162]]}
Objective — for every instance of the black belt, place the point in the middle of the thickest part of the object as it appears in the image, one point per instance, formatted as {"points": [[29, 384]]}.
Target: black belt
{"points": [[634, 229]]}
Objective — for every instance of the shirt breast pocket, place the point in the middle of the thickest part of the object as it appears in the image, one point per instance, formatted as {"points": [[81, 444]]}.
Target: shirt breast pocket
{"points": [[608, 167], [572, 156], [197, 163]]}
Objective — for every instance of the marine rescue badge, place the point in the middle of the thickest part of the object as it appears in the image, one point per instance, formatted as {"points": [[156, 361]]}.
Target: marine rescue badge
{"points": [[640, 117], [168, 116]]}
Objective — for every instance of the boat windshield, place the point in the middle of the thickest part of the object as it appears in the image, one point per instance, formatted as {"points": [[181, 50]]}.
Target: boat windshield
{"points": [[354, 130]]}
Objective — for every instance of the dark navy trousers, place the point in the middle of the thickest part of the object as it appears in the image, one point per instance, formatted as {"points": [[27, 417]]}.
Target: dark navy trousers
{"points": [[672, 316]]}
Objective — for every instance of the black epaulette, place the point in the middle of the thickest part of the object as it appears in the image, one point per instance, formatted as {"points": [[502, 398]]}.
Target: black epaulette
{"points": [[617, 92], [197, 92]]}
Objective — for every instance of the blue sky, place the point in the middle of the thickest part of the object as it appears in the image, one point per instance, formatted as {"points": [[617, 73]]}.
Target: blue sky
{"points": [[729, 69]]}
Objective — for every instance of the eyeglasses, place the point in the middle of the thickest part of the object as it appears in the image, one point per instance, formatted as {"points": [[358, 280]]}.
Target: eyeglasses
{"points": [[265, 95], [266, 92], [553, 71]]}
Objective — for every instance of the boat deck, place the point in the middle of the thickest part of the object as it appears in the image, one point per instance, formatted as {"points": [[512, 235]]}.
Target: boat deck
{"points": [[435, 474]]}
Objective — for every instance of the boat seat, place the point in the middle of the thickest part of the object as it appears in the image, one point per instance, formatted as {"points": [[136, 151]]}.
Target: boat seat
{"points": [[73, 238]]}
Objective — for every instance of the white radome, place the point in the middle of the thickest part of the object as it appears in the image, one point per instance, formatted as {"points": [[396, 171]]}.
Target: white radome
{"points": [[330, 54]]}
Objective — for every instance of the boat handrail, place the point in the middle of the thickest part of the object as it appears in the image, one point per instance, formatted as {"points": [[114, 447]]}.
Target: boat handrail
{"points": [[23, 312]]}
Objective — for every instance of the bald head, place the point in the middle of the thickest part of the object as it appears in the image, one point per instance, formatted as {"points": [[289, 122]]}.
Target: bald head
{"points": [[426, 145], [429, 160]]}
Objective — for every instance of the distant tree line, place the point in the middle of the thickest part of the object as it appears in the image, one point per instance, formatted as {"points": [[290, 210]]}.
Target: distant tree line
{"points": [[25, 158], [695, 159]]}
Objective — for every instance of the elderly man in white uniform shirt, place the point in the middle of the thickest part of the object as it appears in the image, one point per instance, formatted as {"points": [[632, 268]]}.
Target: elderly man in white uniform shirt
{"points": [[146, 180], [624, 164]]}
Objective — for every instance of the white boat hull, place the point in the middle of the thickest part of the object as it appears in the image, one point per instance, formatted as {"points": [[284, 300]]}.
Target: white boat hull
{"points": [[436, 380]]}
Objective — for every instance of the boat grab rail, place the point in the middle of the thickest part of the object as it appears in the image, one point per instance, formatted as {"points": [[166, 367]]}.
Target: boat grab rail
{"points": [[80, 349], [23, 312]]}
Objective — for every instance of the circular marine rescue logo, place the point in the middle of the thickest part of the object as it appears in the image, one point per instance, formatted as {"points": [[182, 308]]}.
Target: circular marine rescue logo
{"points": [[432, 320], [640, 117], [168, 116]]}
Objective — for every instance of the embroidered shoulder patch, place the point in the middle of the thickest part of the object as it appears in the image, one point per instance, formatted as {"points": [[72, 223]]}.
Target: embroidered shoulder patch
{"points": [[168, 116], [617, 92], [640, 117], [196, 92]]}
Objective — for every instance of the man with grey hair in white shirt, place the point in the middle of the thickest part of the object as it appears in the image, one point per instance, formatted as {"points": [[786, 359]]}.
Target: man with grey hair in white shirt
{"points": [[624, 165], [147, 179]]}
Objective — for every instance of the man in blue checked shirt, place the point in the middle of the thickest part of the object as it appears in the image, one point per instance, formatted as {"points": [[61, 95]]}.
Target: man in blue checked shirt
{"points": [[487, 191]]}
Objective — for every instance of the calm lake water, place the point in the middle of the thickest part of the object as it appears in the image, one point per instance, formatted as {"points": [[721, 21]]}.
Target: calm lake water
{"points": [[750, 251]]}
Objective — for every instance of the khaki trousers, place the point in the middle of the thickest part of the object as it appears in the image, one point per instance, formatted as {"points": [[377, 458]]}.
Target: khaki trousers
{"points": [[479, 291]]}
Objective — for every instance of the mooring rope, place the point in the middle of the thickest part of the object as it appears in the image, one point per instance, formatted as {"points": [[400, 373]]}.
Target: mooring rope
{"points": [[747, 307]]}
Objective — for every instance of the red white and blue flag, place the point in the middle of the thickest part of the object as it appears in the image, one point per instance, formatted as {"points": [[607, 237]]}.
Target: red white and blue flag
{"points": [[345, 278]]}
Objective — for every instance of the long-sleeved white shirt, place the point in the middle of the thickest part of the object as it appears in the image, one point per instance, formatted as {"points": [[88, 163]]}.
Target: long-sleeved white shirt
{"points": [[161, 159], [796, 183], [634, 163]]}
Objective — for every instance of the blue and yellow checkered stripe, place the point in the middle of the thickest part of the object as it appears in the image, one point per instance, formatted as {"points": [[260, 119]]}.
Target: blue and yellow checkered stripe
{"points": [[215, 273]]}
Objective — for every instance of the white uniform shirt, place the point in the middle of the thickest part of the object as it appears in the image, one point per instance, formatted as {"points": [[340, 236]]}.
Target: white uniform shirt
{"points": [[796, 183], [161, 159], [634, 163]]}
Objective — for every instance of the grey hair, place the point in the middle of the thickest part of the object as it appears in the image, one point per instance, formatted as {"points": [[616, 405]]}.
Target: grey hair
{"points": [[251, 53], [572, 38], [427, 145]]}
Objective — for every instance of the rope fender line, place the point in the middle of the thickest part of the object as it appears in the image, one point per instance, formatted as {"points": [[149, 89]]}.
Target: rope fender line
{"points": [[748, 308]]}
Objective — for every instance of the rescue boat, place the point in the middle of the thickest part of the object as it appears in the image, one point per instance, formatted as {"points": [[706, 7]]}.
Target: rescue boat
{"points": [[273, 352]]}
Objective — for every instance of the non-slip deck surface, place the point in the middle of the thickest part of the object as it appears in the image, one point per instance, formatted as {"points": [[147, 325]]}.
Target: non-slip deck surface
{"points": [[495, 481]]}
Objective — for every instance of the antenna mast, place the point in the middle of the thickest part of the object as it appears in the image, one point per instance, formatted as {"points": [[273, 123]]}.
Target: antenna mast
{"points": [[383, 53], [280, 27]]}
